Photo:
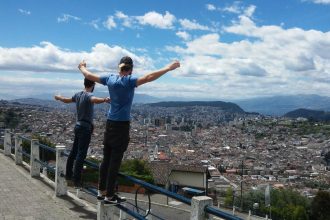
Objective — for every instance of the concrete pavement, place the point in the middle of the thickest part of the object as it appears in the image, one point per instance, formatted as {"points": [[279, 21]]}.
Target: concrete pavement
{"points": [[26, 198]]}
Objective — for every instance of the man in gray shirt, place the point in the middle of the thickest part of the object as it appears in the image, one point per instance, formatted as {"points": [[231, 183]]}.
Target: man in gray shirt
{"points": [[83, 129]]}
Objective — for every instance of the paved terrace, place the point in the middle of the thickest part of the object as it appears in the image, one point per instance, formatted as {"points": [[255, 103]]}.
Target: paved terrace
{"points": [[26, 198], [23, 197]]}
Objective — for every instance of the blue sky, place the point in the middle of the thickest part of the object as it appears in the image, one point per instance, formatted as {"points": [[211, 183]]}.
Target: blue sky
{"points": [[228, 49]]}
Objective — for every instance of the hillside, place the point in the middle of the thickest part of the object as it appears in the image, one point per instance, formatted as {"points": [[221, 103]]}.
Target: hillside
{"points": [[309, 114], [227, 106], [279, 105]]}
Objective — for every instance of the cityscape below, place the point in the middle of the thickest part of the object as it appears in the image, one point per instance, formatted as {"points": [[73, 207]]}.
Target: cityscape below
{"points": [[238, 150]]}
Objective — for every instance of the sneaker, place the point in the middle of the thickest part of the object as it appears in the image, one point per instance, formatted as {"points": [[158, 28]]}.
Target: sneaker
{"points": [[114, 200], [69, 183], [77, 185], [100, 198]]}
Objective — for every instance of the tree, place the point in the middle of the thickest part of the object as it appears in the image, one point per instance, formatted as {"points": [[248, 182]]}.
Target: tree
{"points": [[11, 119], [320, 207], [137, 168], [229, 199], [285, 204], [299, 213], [45, 155]]}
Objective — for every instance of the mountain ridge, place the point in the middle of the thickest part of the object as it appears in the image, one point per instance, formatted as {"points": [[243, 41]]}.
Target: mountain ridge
{"points": [[228, 106], [275, 105], [315, 115]]}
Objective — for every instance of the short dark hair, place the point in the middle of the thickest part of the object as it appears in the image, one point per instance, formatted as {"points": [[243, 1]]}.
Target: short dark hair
{"points": [[126, 60], [126, 64], [88, 83]]}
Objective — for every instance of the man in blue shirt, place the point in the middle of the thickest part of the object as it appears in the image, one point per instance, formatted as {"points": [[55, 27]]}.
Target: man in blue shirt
{"points": [[116, 137], [83, 129]]}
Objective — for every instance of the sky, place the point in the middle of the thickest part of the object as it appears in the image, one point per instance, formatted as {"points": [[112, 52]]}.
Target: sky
{"points": [[227, 49]]}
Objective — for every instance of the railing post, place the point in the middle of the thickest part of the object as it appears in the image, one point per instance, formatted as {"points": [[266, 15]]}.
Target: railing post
{"points": [[18, 149], [34, 165], [44, 172], [105, 212], [149, 217], [122, 214], [198, 204], [7, 143], [60, 184], [78, 193]]}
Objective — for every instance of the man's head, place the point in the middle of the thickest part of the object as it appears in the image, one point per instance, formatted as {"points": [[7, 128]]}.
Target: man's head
{"points": [[126, 65], [89, 84]]}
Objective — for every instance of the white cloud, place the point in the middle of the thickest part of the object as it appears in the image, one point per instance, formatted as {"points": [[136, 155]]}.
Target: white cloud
{"points": [[192, 25], [121, 15], [319, 1], [50, 58], [204, 45], [126, 20], [157, 20], [183, 35], [210, 7], [250, 10], [237, 8], [110, 23], [46, 68], [24, 12], [66, 17], [29, 85], [95, 24], [271, 60], [163, 89], [234, 8]]}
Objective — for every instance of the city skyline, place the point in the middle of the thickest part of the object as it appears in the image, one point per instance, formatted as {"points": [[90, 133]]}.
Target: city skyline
{"points": [[228, 49]]}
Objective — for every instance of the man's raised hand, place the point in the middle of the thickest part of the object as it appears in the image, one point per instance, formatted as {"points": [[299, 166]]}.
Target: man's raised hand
{"points": [[175, 64], [82, 64]]}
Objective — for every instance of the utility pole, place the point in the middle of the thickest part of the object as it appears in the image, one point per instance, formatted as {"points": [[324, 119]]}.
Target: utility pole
{"points": [[146, 137], [242, 185]]}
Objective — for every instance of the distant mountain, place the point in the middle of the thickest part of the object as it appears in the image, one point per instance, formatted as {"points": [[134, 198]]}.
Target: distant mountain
{"points": [[309, 114], [138, 98], [279, 105], [228, 106], [142, 98], [35, 101], [276, 105]]}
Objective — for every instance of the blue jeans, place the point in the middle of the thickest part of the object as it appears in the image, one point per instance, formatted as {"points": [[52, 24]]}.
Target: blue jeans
{"points": [[75, 162]]}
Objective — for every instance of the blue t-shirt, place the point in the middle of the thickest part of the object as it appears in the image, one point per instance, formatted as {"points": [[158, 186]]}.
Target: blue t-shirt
{"points": [[121, 90], [84, 106]]}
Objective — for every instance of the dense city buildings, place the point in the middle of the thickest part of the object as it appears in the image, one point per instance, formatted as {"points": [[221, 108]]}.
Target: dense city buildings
{"points": [[240, 150]]}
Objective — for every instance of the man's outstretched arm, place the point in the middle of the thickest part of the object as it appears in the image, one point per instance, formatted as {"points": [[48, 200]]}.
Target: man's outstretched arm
{"points": [[63, 99], [97, 100], [155, 75], [87, 74]]}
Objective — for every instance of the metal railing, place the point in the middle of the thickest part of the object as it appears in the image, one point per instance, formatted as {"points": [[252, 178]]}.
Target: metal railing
{"points": [[207, 209], [60, 177], [121, 207]]}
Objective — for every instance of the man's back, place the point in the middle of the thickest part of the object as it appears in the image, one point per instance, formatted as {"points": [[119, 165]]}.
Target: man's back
{"points": [[121, 90], [84, 106]]}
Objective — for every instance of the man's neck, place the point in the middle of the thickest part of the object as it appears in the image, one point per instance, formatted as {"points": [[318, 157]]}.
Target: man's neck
{"points": [[89, 89]]}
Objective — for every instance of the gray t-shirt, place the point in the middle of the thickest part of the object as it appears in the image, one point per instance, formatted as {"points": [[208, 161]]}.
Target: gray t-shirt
{"points": [[84, 106]]}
